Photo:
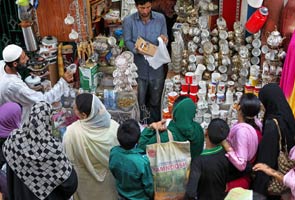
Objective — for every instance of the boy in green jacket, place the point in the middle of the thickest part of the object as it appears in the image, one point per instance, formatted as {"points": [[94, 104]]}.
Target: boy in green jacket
{"points": [[130, 166]]}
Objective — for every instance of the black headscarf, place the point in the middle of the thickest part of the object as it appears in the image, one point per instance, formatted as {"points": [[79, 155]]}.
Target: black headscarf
{"points": [[276, 106]]}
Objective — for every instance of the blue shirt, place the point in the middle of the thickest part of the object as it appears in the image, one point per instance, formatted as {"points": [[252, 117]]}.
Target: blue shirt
{"points": [[133, 27]]}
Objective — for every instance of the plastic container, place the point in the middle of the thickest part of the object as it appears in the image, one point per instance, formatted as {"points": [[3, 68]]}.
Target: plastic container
{"points": [[257, 20]]}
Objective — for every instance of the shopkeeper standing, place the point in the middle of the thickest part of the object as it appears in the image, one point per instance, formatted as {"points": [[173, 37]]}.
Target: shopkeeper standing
{"points": [[14, 89], [148, 25]]}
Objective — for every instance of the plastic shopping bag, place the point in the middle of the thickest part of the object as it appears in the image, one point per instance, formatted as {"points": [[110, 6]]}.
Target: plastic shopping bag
{"points": [[170, 163], [161, 56]]}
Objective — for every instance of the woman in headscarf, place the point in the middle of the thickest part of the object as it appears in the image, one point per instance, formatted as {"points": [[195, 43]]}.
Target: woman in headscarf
{"points": [[276, 107], [182, 127], [87, 143], [10, 119], [242, 142], [287, 179], [37, 167]]}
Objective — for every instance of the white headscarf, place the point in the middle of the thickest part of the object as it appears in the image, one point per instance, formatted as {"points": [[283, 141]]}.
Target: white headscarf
{"points": [[96, 135], [99, 116]]}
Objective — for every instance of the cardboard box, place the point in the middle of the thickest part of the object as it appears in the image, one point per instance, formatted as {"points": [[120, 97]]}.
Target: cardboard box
{"points": [[146, 47], [88, 77]]}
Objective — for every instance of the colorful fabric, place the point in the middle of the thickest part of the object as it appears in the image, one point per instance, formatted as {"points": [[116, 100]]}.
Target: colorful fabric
{"points": [[244, 142], [288, 75], [245, 180], [10, 118], [182, 127], [35, 156], [290, 176], [133, 174]]}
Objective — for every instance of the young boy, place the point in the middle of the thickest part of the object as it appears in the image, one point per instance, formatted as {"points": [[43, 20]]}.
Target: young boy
{"points": [[209, 171], [130, 166]]}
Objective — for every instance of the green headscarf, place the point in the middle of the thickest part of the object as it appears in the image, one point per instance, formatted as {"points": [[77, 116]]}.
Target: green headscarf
{"points": [[184, 125]]}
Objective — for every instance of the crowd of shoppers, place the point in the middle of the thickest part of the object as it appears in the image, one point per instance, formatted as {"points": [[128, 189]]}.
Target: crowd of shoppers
{"points": [[99, 159]]}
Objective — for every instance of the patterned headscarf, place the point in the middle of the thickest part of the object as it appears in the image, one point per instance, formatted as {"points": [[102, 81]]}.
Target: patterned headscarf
{"points": [[10, 118], [35, 156]]}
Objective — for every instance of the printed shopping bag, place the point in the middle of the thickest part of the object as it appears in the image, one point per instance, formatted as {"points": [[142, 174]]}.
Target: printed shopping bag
{"points": [[170, 163]]}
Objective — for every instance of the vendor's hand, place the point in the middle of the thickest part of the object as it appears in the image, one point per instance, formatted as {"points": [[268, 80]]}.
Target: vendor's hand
{"points": [[263, 167], [140, 51], [164, 38], [68, 76], [160, 125]]}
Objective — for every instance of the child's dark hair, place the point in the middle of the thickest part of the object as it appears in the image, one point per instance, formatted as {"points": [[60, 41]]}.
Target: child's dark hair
{"points": [[250, 107], [142, 2], [128, 134], [217, 130], [84, 103]]}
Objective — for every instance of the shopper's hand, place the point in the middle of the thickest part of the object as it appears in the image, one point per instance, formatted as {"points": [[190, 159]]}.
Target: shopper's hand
{"points": [[164, 38], [68, 76], [263, 167], [160, 125], [226, 145]]}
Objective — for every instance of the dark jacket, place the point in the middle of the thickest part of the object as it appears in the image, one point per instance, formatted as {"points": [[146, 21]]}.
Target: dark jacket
{"points": [[17, 190]]}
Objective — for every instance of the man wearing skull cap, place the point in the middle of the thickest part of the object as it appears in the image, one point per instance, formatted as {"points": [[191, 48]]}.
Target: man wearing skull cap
{"points": [[14, 89]]}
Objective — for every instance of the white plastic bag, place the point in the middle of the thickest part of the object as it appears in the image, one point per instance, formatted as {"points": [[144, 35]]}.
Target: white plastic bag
{"points": [[161, 56]]}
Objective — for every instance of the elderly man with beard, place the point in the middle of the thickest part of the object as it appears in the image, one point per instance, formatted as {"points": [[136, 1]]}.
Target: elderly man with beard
{"points": [[14, 89], [148, 25]]}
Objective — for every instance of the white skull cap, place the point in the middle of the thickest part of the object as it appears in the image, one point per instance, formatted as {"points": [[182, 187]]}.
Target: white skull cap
{"points": [[255, 3], [11, 53]]}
